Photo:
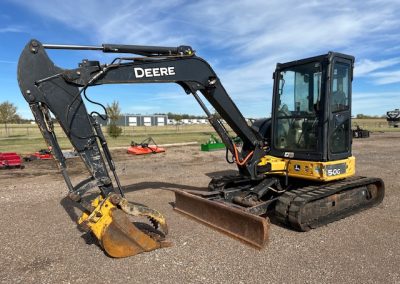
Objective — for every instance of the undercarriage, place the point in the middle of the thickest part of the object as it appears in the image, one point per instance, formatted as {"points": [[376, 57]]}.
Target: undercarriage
{"points": [[300, 206]]}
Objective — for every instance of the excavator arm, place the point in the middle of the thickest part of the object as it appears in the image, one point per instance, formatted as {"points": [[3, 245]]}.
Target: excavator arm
{"points": [[48, 88], [194, 75], [39, 77]]}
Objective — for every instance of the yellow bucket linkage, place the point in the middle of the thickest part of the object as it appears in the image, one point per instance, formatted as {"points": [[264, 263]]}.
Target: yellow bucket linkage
{"points": [[117, 235]]}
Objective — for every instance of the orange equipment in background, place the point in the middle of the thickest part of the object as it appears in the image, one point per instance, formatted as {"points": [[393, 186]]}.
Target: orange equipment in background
{"points": [[143, 147]]}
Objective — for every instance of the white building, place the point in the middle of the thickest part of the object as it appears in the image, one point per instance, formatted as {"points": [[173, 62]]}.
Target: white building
{"points": [[138, 120]]}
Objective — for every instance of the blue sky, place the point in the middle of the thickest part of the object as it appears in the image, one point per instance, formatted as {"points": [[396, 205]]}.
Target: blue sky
{"points": [[243, 41]]}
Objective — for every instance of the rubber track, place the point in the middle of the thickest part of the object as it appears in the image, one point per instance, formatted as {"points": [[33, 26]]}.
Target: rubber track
{"points": [[289, 205]]}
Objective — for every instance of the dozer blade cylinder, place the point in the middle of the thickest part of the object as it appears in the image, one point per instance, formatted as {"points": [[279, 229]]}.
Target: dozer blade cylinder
{"points": [[246, 227]]}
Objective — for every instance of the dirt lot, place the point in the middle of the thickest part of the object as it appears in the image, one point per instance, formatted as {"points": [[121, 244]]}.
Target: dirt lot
{"points": [[40, 242]]}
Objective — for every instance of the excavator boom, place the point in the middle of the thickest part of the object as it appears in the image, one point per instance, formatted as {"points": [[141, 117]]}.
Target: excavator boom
{"points": [[51, 89]]}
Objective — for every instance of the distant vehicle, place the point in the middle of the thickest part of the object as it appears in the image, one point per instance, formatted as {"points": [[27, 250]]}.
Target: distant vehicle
{"points": [[393, 117], [360, 133]]}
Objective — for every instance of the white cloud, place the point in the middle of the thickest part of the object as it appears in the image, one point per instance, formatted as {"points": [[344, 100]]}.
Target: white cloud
{"points": [[11, 29], [135, 22], [249, 27], [387, 77], [366, 66], [245, 39], [370, 102]]}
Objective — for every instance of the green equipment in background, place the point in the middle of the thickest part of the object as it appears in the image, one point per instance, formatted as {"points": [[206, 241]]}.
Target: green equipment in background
{"points": [[214, 143]]}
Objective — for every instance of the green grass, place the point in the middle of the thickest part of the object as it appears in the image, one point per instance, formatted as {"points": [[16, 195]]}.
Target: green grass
{"points": [[26, 138], [372, 124], [31, 130]]}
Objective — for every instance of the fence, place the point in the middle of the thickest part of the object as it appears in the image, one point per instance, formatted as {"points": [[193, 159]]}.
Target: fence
{"points": [[32, 131]]}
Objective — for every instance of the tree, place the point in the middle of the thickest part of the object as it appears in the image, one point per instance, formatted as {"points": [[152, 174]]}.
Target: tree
{"points": [[362, 116], [8, 114], [113, 112], [179, 117]]}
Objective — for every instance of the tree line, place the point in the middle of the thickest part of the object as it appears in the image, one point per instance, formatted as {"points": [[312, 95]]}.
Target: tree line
{"points": [[361, 116], [8, 114], [180, 116]]}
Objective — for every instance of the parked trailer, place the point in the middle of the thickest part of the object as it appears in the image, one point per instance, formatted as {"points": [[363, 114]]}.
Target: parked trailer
{"points": [[10, 160], [360, 133], [393, 117], [42, 154]]}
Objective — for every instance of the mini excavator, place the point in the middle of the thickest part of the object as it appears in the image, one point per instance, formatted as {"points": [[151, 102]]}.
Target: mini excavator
{"points": [[296, 167]]}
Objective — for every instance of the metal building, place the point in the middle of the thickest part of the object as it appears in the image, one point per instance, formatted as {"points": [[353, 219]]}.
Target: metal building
{"points": [[138, 120]]}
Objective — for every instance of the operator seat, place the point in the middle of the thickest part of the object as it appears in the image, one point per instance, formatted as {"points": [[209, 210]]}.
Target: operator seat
{"points": [[283, 126], [339, 101]]}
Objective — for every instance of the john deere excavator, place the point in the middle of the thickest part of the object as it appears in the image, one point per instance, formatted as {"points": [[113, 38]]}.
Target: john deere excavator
{"points": [[296, 167]]}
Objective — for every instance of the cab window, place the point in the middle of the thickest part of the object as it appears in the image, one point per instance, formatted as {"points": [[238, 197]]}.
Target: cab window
{"points": [[340, 87]]}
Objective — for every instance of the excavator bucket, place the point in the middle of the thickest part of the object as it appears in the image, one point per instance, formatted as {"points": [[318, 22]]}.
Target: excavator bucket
{"points": [[117, 235], [122, 238], [249, 228]]}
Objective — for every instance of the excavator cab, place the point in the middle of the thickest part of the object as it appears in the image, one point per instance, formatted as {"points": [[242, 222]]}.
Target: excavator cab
{"points": [[311, 110]]}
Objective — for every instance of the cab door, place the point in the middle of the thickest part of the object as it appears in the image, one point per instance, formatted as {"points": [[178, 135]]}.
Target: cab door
{"points": [[339, 109]]}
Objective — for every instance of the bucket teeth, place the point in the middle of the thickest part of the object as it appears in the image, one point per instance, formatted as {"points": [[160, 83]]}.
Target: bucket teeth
{"points": [[153, 222], [140, 210]]}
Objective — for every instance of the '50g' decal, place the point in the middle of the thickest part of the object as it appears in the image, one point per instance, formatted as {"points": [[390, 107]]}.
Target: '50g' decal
{"points": [[334, 170]]}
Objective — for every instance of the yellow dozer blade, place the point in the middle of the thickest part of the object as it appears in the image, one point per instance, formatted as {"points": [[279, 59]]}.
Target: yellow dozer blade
{"points": [[246, 227], [117, 235]]}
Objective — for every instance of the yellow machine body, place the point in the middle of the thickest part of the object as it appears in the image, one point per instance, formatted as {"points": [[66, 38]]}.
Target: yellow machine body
{"points": [[311, 170]]}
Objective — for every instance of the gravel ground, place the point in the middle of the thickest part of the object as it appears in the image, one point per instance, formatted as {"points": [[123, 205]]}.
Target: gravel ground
{"points": [[40, 242]]}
